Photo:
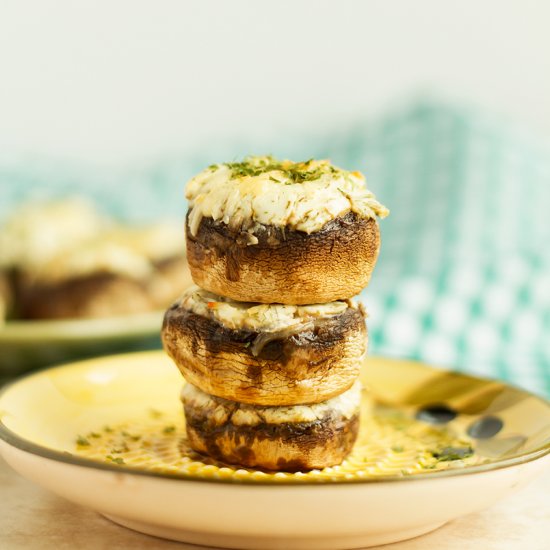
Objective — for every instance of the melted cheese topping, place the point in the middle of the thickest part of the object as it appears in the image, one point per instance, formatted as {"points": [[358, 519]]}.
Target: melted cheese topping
{"points": [[221, 411], [61, 240], [156, 242], [95, 257], [34, 234], [253, 316], [268, 194], [126, 251]]}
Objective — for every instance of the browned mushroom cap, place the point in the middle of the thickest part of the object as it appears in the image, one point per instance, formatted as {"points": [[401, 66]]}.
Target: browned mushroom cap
{"points": [[285, 265], [95, 295], [103, 294], [273, 438], [265, 354]]}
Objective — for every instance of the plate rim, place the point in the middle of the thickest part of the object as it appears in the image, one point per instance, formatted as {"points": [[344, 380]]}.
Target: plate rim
{"points": [[52, 330], [12, 439]]}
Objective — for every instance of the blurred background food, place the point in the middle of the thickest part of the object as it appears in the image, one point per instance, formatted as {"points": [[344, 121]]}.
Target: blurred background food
{"points": [[63, 260], [442, 105], [76, 283]]}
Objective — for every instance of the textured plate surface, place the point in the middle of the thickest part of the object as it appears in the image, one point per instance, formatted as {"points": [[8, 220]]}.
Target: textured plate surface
{"points": [[108, 433]]}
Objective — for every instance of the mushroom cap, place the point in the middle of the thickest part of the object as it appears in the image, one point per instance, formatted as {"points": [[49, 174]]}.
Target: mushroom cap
{"points": [[284, 265], [296, 438], [307, 359]]}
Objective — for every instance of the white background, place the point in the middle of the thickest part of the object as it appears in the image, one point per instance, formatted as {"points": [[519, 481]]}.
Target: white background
{"points": [[111, 82]]}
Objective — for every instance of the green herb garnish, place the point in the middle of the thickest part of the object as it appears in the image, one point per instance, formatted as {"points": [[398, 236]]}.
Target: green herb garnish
{"points": [[452, 453], [295, 172], [82, 441]]}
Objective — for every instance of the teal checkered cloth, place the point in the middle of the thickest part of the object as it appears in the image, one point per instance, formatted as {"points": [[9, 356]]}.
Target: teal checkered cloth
{"points": [[463, 279], [464, 274]]}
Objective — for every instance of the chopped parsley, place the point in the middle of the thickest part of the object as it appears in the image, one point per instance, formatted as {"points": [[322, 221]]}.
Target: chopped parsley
{"points": [[453, 453], [294, 172]]}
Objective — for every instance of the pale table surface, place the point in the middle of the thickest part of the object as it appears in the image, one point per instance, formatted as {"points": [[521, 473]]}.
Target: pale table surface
{"points": [[32, 518]]}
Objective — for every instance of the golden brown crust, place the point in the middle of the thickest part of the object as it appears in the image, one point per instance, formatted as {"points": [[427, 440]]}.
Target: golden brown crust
{"points": [[304, 366], [285, 266], [291, 447], [302, 447]]}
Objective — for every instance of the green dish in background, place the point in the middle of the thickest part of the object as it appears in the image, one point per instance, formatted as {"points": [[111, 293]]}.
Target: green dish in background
{"points": [[27, 345]]}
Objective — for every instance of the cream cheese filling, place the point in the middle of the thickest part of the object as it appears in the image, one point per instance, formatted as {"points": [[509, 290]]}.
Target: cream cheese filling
{"points": [[259, 317], [221, 411], [268, 193]]}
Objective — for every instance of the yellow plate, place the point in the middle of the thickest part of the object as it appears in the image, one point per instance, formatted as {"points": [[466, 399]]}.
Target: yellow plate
{"points": [[108, 433]]}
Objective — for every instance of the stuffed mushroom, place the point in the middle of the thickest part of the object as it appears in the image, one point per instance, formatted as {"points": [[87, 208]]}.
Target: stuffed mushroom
{"points": [[265, 354], [271, 231], [295, 438], [120, 272]]}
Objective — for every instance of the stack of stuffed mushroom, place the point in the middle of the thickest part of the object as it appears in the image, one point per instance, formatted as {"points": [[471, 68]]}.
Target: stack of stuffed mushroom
{"points": [[270, 341]]}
